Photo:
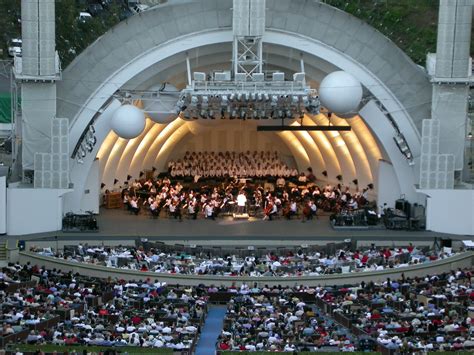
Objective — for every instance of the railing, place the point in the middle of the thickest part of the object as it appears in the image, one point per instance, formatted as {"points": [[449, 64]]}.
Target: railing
{"points": [[458, 261]]}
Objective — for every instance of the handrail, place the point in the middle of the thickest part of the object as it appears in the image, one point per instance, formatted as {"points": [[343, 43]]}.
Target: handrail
{"points": [[445, 265]]}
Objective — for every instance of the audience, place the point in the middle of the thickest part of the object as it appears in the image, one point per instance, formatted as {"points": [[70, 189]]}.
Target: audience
{"points": [[298, 263]]}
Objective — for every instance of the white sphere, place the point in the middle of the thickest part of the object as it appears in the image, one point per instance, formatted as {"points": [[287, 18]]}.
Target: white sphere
{"points": [[340, 92], [128, 121], [163, 108]]}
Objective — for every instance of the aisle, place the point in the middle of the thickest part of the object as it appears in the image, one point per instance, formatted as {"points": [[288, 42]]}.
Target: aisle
{"points": [[211, 330]]}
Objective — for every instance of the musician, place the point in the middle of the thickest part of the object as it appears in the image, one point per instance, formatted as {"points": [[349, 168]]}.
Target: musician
{"points": [[155, 208], [241, 202], [309, 211], [174, 208], [353, 204], [192, 207], [134, 205], [292, 210], [271, 210], [209, 210]]}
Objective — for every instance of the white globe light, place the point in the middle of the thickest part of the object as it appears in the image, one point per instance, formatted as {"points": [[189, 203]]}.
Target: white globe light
{"points": [[340, 92], [163, 108], [128, 121]]}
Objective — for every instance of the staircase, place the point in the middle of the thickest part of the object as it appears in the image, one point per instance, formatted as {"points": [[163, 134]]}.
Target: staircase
{"points": [[211, 330]]}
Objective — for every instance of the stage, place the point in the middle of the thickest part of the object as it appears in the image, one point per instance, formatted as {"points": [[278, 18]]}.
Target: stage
{"points": [[120, 225]]}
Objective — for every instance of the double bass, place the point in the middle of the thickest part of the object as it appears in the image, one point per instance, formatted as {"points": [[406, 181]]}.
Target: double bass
{"points": [[269, 208]]}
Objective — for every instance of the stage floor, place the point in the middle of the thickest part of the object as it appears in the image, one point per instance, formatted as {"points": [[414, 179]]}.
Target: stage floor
{"points": [[123, 225]]}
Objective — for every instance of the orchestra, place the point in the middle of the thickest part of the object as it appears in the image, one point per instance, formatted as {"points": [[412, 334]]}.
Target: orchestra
{"points": [[288, 198]]}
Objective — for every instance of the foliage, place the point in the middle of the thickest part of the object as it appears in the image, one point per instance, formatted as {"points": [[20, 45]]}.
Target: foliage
{"points": [[409, 24]]}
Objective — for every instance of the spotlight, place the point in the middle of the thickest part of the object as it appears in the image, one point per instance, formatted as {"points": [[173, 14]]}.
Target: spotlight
{"points": [[325, 173], [89, 147], [82, 152], [469, 135], [339, 177], [91, 129], [370, 186], [355, 181], [115, 181], [80, 160]]}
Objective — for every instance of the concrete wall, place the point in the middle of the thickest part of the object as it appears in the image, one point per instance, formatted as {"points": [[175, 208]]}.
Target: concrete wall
{"points": [[34, 210], [450, 211], [3, 205], [459, 261], [91, 196]]}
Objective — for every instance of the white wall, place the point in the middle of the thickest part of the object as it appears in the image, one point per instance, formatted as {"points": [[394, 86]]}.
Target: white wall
{"points": [[34, 210], [90, 198], [387, 185], [450, 211], [3, 204]]}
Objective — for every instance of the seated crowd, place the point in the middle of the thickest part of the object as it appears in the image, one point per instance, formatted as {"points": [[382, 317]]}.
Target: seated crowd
{"points": [[221, 164], [105, 313], [292, 263], [161, 197], [422, 314], [431, 313]]}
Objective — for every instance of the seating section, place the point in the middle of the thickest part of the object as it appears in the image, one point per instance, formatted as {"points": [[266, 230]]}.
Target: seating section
{"points": [[311, 261], [429, 313]]}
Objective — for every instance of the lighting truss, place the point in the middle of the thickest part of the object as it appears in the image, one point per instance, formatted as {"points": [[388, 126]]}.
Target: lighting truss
{"points": [[243, 99]]}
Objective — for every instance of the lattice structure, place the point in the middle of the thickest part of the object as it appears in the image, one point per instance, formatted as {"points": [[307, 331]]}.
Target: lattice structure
{"points": [[52, 169], [249, 27], [436, 170]]}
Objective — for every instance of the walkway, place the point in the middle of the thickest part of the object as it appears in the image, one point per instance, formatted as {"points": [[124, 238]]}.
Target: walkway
{"points": [[211, 330]]}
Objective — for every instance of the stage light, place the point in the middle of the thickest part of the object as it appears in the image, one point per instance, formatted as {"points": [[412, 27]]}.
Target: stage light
{"points": [[80, 160], [91, 129]]}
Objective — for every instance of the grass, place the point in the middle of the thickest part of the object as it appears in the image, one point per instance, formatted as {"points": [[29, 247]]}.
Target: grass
{"points": [[122, 349]]}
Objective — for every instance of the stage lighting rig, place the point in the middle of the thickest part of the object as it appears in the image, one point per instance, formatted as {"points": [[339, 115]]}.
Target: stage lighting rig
{"points": [[249, 99]]}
